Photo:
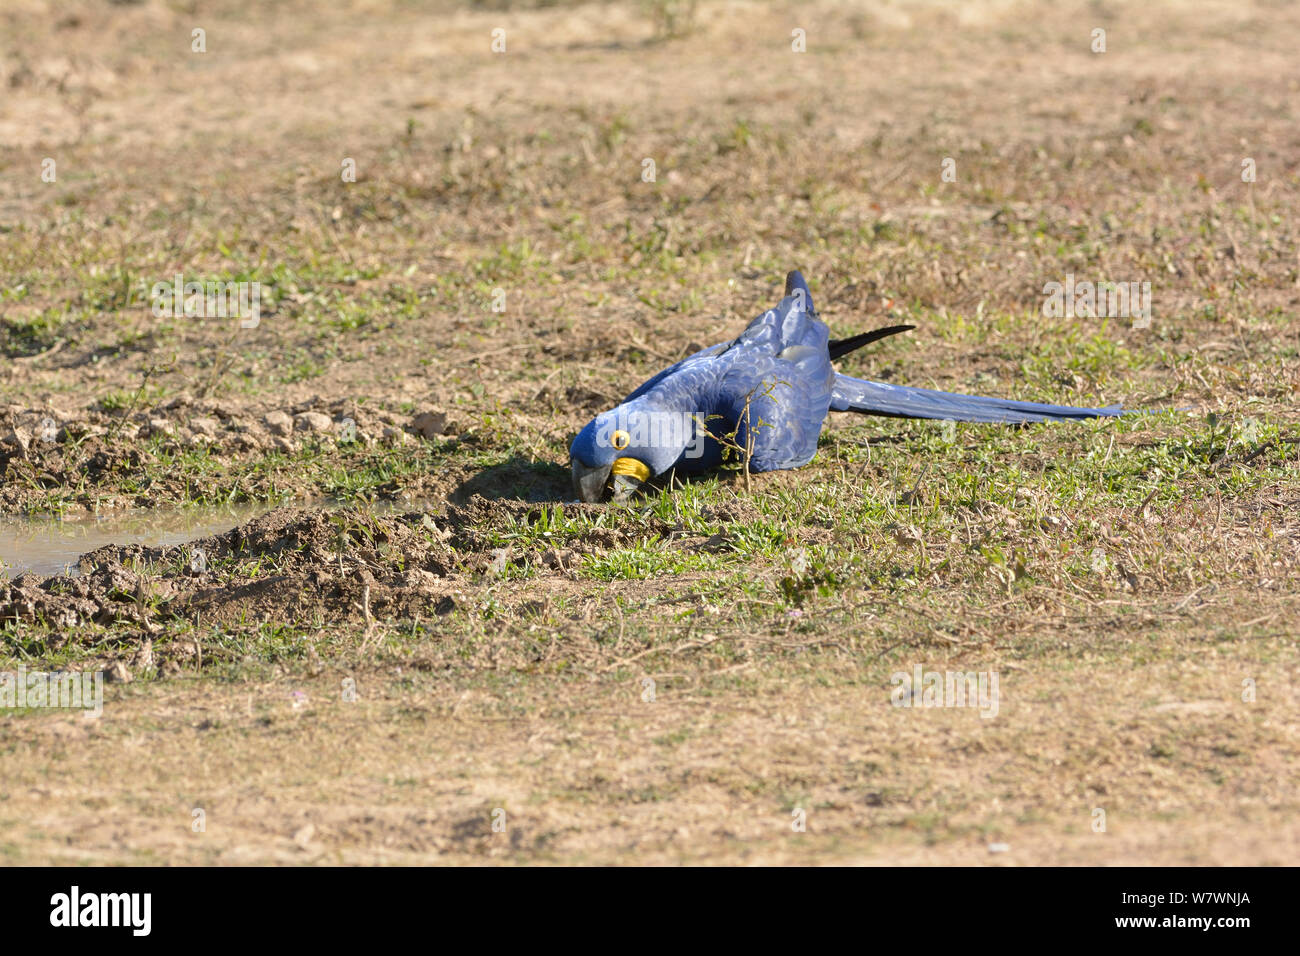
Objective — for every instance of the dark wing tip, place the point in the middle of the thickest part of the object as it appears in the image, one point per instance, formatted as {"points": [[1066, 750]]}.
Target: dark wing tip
{"points": [[841, 347]]}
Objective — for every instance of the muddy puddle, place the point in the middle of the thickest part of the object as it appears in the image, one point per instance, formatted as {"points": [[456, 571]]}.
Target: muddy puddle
{"points": [[47, 546]]}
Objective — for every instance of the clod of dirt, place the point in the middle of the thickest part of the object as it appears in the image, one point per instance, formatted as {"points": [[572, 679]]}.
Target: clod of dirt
{"points": [[430, 423], [17, 438], [312, 422], [560, 559], [204, 426], [118, 673], [278, 423]]}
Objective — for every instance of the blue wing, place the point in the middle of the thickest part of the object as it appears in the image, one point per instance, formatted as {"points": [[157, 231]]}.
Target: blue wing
{"points": [[775, 387]]}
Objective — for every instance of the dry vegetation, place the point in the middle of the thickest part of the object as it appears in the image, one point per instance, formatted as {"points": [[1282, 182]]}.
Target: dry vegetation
{"points": [[1122, 578]]}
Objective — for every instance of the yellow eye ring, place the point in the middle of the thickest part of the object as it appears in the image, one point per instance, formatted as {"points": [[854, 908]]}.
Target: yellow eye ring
{"points": [[620, 440]]}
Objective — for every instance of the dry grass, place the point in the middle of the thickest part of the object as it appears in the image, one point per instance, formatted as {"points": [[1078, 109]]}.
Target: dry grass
{"points": [[1122, 579]]}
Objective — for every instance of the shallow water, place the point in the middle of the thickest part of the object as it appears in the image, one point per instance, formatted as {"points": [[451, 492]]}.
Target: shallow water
{"points": [[45, 546]]}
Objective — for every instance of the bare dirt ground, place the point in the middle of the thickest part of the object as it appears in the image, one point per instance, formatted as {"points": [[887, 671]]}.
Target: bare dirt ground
{"points": [[686, 678]]}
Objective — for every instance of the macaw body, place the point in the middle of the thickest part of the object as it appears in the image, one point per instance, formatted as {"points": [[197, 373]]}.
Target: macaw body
{"points": [[767, 392]]}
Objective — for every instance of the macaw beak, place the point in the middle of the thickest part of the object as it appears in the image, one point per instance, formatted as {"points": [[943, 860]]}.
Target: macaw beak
{"points": [[589, 483]]}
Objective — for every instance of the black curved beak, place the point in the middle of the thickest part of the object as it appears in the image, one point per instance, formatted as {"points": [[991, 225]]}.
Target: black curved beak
{"points": [[589, 483], [625, 487]]}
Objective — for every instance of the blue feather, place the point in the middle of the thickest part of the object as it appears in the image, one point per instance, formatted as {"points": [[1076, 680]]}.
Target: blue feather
{"points": [[902, 401], [770, 390]]}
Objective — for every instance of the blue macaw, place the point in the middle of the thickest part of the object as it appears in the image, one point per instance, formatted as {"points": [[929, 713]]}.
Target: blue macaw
{"points": [[767, 391]]}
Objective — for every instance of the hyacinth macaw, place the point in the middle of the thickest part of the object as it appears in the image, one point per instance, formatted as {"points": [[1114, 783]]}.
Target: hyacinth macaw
{"points": [[767, 392]]}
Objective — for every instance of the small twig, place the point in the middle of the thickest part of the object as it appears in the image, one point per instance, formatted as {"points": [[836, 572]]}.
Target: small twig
{"points": [[25, 359], [370, 621], [130, 408], [1142, 508]]}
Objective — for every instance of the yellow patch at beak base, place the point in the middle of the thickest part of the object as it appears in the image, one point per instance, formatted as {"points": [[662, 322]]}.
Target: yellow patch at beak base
{"points": [[632, 468]]}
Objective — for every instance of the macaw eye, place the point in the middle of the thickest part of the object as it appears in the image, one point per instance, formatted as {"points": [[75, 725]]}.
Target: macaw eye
{"points": [[620, 440]]}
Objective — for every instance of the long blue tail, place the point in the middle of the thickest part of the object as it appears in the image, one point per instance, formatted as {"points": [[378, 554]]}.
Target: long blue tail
{"points": [[901, 401]]}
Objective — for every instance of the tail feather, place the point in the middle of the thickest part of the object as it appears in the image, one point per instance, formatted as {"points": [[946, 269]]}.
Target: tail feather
{"points": [[842, 347], [901, 401]]}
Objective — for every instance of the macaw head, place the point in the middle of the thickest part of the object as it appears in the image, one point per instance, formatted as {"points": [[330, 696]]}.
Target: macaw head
{"points": [[621, 449]]}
